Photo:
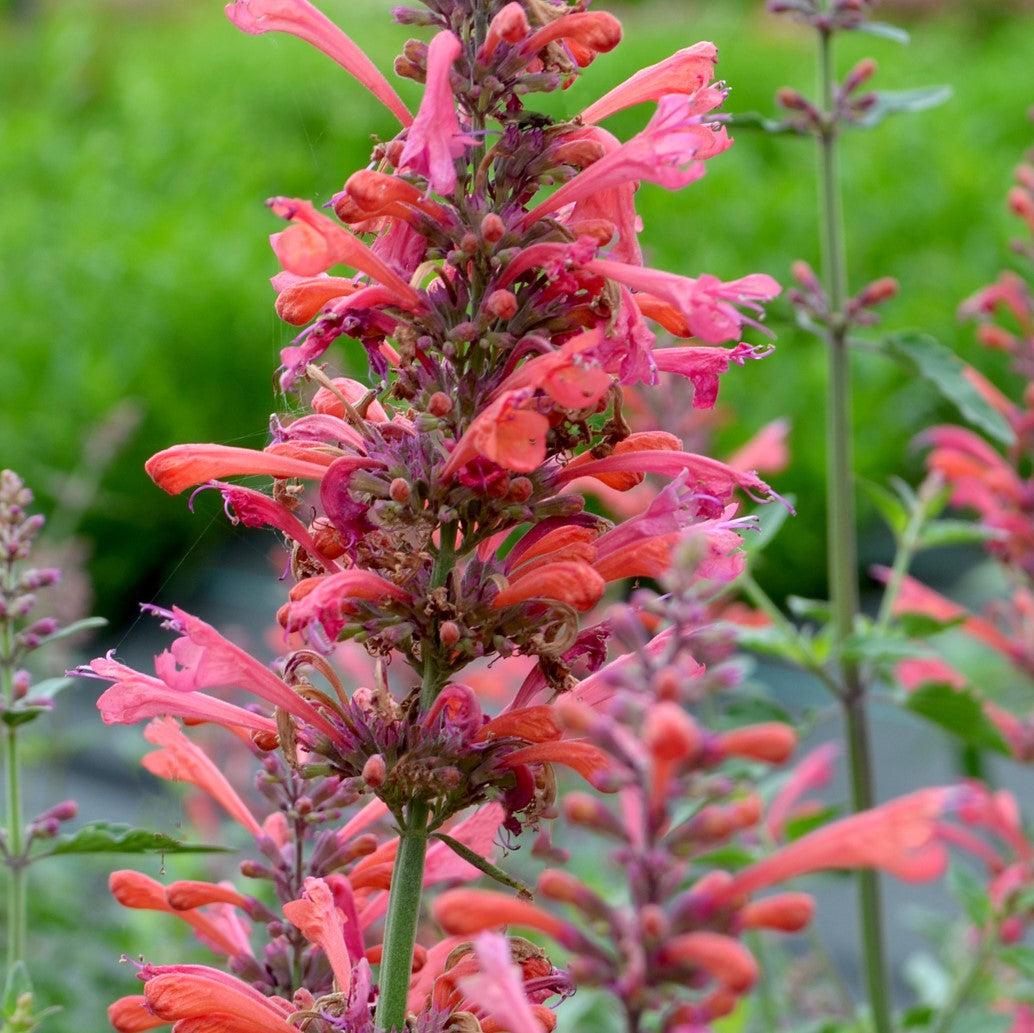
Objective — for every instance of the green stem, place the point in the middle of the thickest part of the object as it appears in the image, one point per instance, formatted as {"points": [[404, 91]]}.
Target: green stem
{"points": [[965, 986], [843, 559], [902, 561], [15, 841], [407, 879]]}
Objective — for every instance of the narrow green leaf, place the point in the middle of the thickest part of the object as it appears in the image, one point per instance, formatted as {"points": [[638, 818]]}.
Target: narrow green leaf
{"points": [[86, 624], [755, 120], [886, 31], [925, 356], [877, 647], [16, 984], [971, 893], [50, 687], [1019, 957], [818, 610], [22, 715], [898, 102], [102, 837], [922, 625], [938, 533], [957, 711], [894, 514], [801, 826]]}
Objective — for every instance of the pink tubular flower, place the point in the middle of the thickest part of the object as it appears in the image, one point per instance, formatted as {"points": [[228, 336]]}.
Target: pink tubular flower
{"points": [[766, 452], [321, 923], [186, 466], [707, 304], [498, 987], [255, 509], [573, 582], [899, 837], [815, 771], [703, 366], [670, 152], [314, 242], [686, 71], [434, 140], [509, 25], [709, 476], [135, 696], [180, 760], [325, 599], [299, 18]]}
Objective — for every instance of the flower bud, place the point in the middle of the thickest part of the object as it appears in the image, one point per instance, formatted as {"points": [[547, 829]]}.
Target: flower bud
{"points": [[785, 912], [771, 742], [670, 733], [492, 228], [399, 490], [502, 304], [375, 771], [21, 683], [439, 404], [861, 73], [449, 633], [878, 291]]}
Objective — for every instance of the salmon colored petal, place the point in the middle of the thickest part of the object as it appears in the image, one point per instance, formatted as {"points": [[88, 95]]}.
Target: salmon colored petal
{"points": [[186, 466]]}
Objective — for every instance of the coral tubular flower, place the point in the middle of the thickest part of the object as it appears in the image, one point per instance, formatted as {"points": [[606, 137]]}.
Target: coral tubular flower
{"points": [[299, 18], [588, 33], [321, 923], [185, 992], [464, 912], [588, 760], [723, 958], [899, 837], [434, 140], [313, 243], [131, 1015], [186, 466], [567, 581], [505, 432], [181, 760], [686, 71]]}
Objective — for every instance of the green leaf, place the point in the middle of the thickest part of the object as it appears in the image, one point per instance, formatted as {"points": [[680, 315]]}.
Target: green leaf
{"points": [[755, 120], [894, 514], [22, 715], [86, 624], [16, 985], [918, 1017], [818, 610], [925, 356], [801, 826], [102, 837], [886, 31], [957, 711], [899, 102], [955, 532], [922, 625], [769, 641], [877, 647], [731, 858], [50, 687], [747, 709], [1019, 957]]}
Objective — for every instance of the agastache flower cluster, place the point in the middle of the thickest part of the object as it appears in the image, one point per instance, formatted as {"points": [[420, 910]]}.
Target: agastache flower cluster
{"points": [[497, 288]]}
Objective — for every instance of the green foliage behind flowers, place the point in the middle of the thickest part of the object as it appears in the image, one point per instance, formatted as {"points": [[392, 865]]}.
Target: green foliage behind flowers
{"points": [[137, 144]]}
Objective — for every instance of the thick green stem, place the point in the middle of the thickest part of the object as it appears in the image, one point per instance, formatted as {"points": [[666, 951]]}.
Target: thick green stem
{"points": [[15, 838], [843, 559], [400, 927]]}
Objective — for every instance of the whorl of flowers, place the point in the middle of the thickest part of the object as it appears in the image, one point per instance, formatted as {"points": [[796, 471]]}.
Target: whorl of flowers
{"points": [[500, 328]]}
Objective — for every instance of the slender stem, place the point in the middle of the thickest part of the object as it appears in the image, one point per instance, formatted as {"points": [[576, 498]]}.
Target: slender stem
{"points": [[15, 841], [843, 559], [965, 986], [768, 1005], [407, 876], [407, 880], [902, 561]]}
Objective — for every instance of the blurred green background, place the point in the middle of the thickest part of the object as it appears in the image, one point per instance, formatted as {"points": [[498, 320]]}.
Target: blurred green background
{"points": [[138, 140]]}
